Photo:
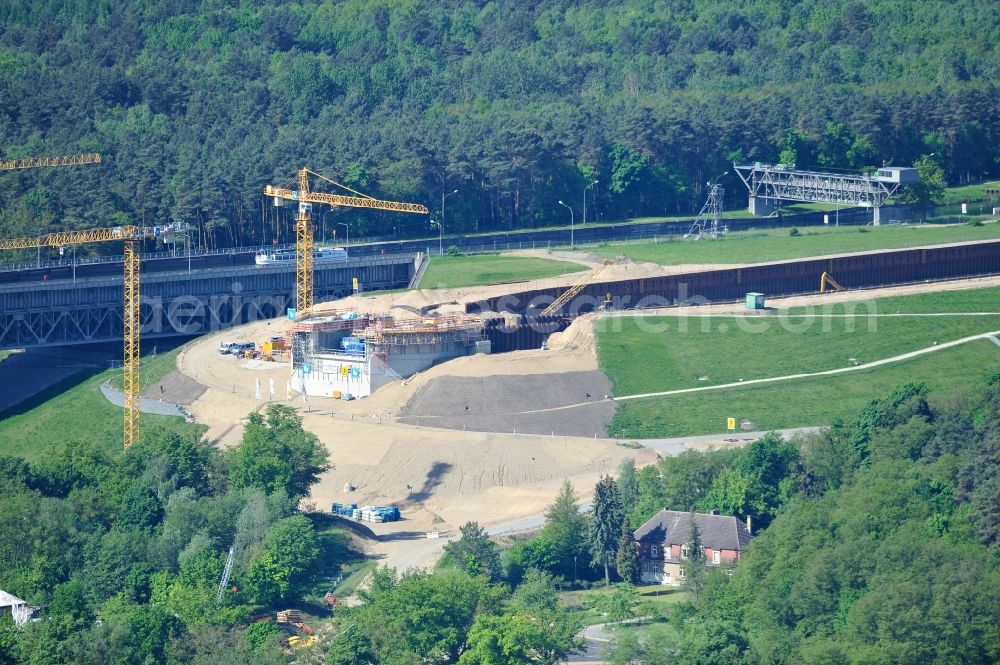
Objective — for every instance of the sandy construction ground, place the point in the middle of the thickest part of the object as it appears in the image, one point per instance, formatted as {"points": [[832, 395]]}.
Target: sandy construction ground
{"points": [[441, 477]]}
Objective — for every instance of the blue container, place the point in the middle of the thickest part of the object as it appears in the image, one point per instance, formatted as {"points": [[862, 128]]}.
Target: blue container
{"points": [[344, 509]]}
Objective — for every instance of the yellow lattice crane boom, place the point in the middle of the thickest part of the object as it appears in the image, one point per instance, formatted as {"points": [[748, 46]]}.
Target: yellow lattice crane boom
{"points": [[42, 162], [569, 293], [130, 235], [303, 225]]}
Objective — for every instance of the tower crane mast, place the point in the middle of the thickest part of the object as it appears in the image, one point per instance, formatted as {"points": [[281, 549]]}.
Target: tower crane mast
{"points": [[303, 224], [131, 236]]}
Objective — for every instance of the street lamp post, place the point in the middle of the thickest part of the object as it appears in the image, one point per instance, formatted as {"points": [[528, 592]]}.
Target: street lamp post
{"points": [[62, 251], [347, 240], [187, 246], [443, 197], [322, 235], [440, 236], [585, 201], [571, 243]]}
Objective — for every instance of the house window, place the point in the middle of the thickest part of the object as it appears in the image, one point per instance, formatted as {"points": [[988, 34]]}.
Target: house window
{"points": [[682, 573], [654, 551], [715, 557], [684, 551]]}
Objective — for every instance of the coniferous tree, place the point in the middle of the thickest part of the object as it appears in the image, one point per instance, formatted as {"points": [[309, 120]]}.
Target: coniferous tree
{"points": [[606, 524], [694, 569], [475, 553], [628, 484], [627, 560]]}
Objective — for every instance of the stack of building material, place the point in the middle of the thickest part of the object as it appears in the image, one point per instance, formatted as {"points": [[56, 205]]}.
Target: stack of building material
{"points": [[344, 509], [378, 514], [289, 616]]}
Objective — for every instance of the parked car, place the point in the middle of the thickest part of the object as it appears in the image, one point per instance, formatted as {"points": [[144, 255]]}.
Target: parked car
{"points": [[239, 349], [226, 347]]}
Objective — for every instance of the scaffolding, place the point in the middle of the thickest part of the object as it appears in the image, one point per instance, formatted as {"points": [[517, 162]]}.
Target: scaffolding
{"points": [[380, 332]]}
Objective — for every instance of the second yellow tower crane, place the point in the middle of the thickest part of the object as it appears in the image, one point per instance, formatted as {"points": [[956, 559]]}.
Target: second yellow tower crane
{"points": [[303, 225]]}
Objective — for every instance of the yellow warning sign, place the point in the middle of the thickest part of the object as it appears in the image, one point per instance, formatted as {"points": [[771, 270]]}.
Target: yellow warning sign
{"points": [[355, 283], [731, 423]]}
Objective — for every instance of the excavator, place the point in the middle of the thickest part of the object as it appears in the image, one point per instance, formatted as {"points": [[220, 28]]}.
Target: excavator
{"points": [[826, 279]]}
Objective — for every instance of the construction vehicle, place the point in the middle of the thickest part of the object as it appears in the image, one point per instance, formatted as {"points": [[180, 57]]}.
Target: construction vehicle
{"points": [[827, 279], [304, 256], [569, 293]]}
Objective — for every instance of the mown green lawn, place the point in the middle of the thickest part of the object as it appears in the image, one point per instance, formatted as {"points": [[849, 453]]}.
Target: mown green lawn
{"points": [[651, 598], [802, 402], [654, 354], [968, 192], [777, 245], [474, 270], [81, 413]]}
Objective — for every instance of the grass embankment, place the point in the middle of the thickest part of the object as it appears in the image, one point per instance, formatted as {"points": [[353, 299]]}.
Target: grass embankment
{"points": [[968, 192], [778, 245], [730, 349], [351, 567], [452, 271], [82, 413]]}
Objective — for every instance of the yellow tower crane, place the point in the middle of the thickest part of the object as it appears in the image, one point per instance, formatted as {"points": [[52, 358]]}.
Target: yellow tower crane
{"points": [[303, 225], [130, 235]]}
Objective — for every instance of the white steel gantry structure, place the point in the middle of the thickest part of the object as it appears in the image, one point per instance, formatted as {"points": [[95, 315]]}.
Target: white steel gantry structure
{"points": [[767, 183], [707, 222]]}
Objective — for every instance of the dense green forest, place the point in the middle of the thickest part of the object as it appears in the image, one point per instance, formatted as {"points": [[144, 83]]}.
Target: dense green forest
{"points": [[124, 553], [881, 541], [877, 541], [516, 104]]}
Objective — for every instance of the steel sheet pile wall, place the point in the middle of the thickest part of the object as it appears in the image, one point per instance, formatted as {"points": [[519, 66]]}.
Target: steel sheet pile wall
{"points": [[773, 279], [522, 335]]}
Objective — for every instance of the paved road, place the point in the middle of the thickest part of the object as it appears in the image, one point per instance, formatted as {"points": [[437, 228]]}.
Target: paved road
{"points": [[596, 638]]}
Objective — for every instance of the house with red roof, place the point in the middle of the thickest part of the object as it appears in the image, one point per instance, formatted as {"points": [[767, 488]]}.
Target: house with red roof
{"points": [[662, 543]]}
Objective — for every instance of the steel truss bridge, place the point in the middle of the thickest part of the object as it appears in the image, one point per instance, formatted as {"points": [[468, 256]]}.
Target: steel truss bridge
{"points": [[769, 183], [89, 310]]}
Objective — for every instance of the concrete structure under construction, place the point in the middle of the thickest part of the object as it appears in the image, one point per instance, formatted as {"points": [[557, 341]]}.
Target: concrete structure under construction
{"points": [[349, 355]]}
